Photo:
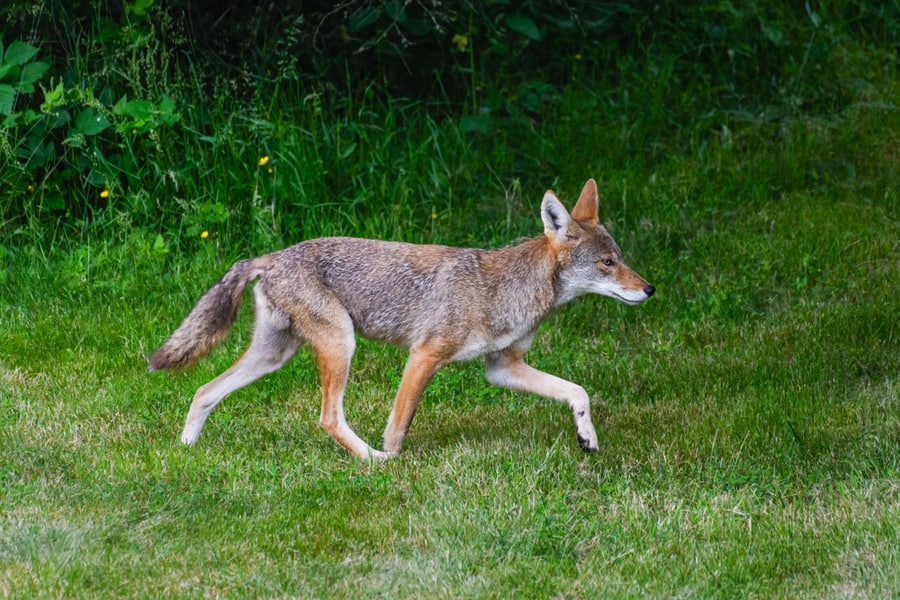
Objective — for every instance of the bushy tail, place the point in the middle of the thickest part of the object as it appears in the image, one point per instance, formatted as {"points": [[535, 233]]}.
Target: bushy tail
{"points": [[210, 320]]}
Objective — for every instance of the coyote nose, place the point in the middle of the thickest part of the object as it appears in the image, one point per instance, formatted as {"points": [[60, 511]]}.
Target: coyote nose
{"points": [[649, 290]]}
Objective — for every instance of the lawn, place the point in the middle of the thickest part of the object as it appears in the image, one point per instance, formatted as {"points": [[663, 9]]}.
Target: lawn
{"points": [[748, 413], [748, 416]]}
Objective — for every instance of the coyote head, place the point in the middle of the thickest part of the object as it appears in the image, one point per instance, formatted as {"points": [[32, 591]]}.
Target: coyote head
{"points": [[589, 259]]}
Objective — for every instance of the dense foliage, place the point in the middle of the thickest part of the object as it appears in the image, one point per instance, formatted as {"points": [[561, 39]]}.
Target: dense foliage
{"points": [[144, 111]]}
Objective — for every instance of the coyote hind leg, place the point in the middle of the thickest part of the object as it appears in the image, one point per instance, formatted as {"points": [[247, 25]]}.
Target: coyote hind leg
{"points": [[273, 344], [334, 344]]}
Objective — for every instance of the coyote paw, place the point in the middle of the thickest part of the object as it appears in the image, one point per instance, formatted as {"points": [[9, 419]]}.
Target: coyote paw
{"points": [[587, 444], [392, 445], [377, 456], [585, 432], [189, 435]]}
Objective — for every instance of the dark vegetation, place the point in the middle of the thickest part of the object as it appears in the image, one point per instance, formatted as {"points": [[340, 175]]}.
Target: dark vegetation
{"points": [[156, 114]]}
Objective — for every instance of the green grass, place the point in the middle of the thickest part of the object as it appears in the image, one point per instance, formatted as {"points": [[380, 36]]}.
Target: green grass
{"points": [[748, 413], [749, 423]]}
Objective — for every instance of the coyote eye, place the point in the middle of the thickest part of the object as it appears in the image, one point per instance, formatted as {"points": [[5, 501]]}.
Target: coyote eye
{"points": [[607, 261]]}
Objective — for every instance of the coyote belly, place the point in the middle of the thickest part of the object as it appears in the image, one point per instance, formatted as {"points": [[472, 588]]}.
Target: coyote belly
{"points": [[443, 303]]}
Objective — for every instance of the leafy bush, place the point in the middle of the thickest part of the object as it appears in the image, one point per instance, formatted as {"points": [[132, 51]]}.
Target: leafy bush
{"points": [[18, 74], [508, 56], [156, 115]]}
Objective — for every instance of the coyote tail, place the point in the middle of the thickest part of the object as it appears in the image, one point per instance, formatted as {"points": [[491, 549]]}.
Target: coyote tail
{"points": [[208, 323]]}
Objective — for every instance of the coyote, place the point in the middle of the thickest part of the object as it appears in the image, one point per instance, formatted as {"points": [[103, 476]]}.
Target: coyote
{"points": [[444, 304]]}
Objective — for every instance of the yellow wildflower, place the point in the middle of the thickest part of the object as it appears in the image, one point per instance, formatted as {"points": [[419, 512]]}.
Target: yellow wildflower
{"points": [[104, 194], [204, 235], [263, 161], [461, 41]]}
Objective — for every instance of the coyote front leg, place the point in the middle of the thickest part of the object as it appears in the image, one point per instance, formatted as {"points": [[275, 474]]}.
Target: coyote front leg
{"points": [[508, 369], [420, 368]]}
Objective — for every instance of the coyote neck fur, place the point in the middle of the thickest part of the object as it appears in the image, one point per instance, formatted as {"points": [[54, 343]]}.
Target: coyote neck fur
{"points": [[526, 275]]}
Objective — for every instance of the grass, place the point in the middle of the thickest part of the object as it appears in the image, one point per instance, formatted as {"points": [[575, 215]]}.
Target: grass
{"points": [[748, 413]]}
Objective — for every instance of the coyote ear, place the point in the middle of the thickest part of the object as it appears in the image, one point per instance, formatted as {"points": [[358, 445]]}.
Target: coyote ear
{"points": [[556, 218], [586, 207]]}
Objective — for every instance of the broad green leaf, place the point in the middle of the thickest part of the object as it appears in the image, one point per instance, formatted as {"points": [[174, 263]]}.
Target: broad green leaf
{"points": [[54, 201], [524, 25], [363, 18], [136, 109], [395, 10], [159, 245], [33, 71], [58, 118], [37, 155], [90, 122], [97, 176], [168, 115], [6, 69], [52, 98], [19, 53], [7, 99], [139, 7], [119, 107]]}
